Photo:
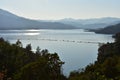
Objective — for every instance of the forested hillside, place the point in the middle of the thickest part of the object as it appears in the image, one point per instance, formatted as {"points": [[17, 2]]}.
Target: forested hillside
{"points": [[113, 29], [18, 63], [107, 66]]}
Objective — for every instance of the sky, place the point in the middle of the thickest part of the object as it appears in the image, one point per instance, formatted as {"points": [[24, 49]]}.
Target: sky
{"points": [[59, 9]]}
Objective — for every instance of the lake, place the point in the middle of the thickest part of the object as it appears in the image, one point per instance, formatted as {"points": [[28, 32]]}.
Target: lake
{"points": [[77, 47]]}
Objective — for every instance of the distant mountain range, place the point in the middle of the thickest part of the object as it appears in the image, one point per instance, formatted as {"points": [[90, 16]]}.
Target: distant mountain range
{"points": [[113, 29], [95, 23], [9, 20], [12, 21]]}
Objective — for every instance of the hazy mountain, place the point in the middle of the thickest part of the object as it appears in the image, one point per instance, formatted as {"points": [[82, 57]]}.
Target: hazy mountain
{"points": [[113, 29], [12, 21], [91, 23]]}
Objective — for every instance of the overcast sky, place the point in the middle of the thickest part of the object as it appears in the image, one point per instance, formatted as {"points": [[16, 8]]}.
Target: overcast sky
{"points": [[58, 9]]}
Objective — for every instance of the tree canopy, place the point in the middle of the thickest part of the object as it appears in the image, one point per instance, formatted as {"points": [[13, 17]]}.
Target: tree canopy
{"points": [[107, 66], [18, 63]]}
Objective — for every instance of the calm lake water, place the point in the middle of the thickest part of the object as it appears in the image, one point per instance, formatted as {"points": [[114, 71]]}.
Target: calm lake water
{"points": [[77, 48]]}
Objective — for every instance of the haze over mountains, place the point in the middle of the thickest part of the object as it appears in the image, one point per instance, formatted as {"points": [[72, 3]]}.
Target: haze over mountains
{"points": [[12, 21], [94, 23]]}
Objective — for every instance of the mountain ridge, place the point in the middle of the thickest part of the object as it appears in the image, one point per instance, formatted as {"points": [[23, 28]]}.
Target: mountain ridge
{"points": [[11, 21], [113, 29], [93, 23]]}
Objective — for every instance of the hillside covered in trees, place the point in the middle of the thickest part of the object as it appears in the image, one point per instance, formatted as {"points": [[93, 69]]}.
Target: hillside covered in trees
{"points": [[113, 29], [18, 63], [107, 66]]}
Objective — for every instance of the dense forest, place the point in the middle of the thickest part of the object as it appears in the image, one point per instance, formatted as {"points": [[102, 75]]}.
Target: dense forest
{"points": [[18, 63]]}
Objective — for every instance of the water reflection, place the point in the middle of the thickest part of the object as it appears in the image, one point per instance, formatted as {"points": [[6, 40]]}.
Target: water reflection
{"points": [[31, 34]]}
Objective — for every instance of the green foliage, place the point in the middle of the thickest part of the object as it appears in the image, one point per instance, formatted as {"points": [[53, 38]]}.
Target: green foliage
{"points": [[18, 63], [28, 47], [38, 51], [107, 66], [18, 43]]}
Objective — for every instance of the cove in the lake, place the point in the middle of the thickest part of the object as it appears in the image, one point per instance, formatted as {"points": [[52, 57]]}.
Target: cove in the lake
{"points": [[77, 48]]}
